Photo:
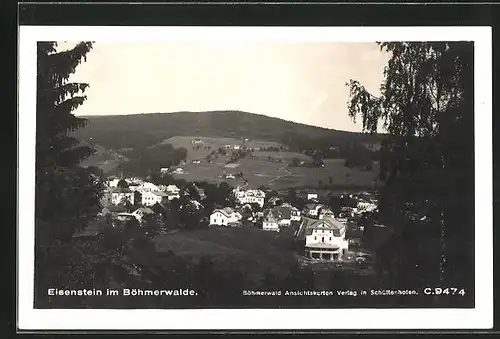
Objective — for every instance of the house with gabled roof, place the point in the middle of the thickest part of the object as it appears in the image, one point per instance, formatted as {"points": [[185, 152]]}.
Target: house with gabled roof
{"points": [[295, 214], [312, 210], [270, 222], [325, 212], [120, 195], [325, 239], [225, 217], [250, 196], [151, 198], [141, 212]]}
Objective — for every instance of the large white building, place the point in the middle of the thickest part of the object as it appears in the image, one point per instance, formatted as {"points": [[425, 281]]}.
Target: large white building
{"points": [[250, 197], [225, 217], [325, 239]]}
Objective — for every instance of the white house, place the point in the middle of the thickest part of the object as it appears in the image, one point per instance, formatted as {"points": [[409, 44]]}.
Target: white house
{"points": [[164, 170], [112, 183], [325, 239], [225, 217], [312, 196], [280, 216], [312, 210], [250, 196], [179, 170], [366, 206], [323, 212], [236, 147], [172, 192], [173, 189], [150, 198], [135, 181], [121, 195], [295, 214], [125, 216], [140, 213], [171, 196], [147, 187], [270, 223]]}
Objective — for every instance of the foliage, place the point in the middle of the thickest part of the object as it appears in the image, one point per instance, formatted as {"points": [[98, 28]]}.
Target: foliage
{"points": [[426, 105], [67, 195], [57, 153], [143, 160]]}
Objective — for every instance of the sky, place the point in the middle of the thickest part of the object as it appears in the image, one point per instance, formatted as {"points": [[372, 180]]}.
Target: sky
{"points": [[300, 82]]}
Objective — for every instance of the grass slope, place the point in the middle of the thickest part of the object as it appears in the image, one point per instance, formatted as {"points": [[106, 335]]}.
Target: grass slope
{"points": [[253, 249]]}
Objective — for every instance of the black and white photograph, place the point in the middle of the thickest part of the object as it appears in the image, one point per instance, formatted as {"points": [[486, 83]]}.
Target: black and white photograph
{"points": [[255, 177]]}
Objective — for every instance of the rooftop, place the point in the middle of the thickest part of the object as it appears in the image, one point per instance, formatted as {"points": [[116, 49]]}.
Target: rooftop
{"points": [[327, 222], [145, 210]]}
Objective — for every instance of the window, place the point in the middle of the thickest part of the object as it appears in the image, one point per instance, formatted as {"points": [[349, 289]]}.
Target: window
{"points": [[330, 238], [322, 239], [314, 237]]}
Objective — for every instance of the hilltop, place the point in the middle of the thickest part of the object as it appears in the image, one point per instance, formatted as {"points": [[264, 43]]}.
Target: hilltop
{"points": [[142, 130]]}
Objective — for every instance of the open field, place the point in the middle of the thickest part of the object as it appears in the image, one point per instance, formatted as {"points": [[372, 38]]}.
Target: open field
{"points": [[104, 159], [259, 172], [285, 156], [252, 249], [256, 172], [334, 168]]}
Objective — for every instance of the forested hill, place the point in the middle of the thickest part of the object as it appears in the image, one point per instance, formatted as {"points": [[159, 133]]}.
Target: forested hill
{"points": [[138, 130]]}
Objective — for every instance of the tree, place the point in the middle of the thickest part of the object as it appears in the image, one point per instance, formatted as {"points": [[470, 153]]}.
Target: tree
{"points": [[426, 106], [58, 153], [67, 195]]}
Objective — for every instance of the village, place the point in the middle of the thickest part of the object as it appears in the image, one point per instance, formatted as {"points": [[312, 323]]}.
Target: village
{"points": [[322, 234]]}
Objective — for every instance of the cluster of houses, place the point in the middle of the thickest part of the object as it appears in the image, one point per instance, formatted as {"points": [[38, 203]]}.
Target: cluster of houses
{"points": [[322, 232], [148, 193], [141, 194]]}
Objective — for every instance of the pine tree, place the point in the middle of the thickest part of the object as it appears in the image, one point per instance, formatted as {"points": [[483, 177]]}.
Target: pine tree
{"points": [[59, 179], [67, 195]]}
